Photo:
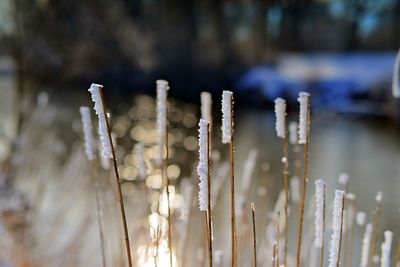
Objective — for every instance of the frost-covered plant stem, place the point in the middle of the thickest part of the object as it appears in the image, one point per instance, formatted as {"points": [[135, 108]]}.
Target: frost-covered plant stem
{"points": [[227, 137], [281, 132], [162, 125], [108, 152], [203, 171], [337, 228], [320, 218], [304, 138]]}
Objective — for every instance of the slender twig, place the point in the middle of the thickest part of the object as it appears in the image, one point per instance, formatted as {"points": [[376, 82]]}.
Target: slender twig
{"points": [[165, 166], [118, 182], [321, 261], [341, 232], [99, 213], [209, 214], [286, 182], [397, 261], [232, 178], [253, 215], [278, 236], [304, 189], [274, 255]]}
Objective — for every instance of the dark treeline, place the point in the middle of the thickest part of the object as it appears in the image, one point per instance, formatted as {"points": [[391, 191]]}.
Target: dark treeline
{"points": [[204, 43]]}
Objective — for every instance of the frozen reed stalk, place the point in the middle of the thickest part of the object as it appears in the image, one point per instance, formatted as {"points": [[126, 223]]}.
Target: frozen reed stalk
{"points": [[395, 81], [108, 152], [140, 161], [89, 150], [280, 126], [202, 168], [162, 88], [227, 128], [293, 128], [304, 124], [304, 138], [87, 132], [366, 243], [280, 114], [361, 218], [101, 114], [227, 138], [337, 225], [206, 104], [386, 249], [203, 171], [253, 216], [319, 213]]}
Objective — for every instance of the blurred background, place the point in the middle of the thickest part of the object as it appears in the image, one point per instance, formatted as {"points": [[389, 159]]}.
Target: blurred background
{"points": [[342, 52]]}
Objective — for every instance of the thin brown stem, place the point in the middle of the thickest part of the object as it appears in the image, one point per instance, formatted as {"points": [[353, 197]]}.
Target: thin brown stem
{"points": [[305, 181], [397, 261], [118, 182], [209, 213], [253, 215], [286, 184], [278, 231], [274, 255], [165, 167], [232, 181], [99, 213], [341, 232], [321, 261]]}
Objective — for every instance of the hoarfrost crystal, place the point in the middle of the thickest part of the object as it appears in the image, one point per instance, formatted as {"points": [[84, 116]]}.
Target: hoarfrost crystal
{"points": [[103, 127], [202, 169], [227, 117]]}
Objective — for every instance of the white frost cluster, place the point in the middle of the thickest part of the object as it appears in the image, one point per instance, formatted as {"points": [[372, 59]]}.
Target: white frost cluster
{"points": [[366, 242], [202, 168], [280, 114], [227, 117], [361, 216], [303, 99], [386, 249], [319, 212], [103, 127], [206, 104], [395, 81], [162, 88], [140, 161], [87, 132], [378, 196], [343, 178], [293, 128], [336, 228]]}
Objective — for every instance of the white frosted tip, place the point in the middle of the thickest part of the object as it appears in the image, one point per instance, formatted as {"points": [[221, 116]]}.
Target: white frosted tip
{"points": [[303, 120], [343, 178], [202, 168], [319, 211], [206, 106], [227, 124], [103, 126], [361, 216], [280, 114], [378, 196]]}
